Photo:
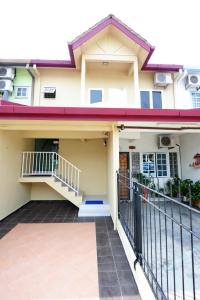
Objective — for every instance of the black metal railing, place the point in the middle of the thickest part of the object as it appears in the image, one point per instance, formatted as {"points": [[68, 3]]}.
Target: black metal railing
{"points": [[164, 234]]}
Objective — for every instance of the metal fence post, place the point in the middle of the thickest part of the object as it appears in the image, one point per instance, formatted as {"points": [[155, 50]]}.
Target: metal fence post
{"points": [[137, 223], [118, 195]]}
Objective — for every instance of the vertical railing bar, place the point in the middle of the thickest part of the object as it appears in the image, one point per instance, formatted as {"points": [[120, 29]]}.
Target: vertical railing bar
{"points": [[29, 169], [155, 237], [192, 247], [160, 236], [182, 259], [22, 169], [173, 251], [150, 227], [147, 231], [166, 250]]}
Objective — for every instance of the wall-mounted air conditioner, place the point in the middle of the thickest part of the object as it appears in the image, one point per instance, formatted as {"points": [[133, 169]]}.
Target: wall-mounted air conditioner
{"points": [[166, 141], [162, 79], [6, 85], [7, 72], [192, 81]]}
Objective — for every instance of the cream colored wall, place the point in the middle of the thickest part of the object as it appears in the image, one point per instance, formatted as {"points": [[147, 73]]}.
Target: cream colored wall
{"points": [[67, 83], [146, 82], [110, 79], [91, 157], [41, 191], [12, 193], [68, 87]]}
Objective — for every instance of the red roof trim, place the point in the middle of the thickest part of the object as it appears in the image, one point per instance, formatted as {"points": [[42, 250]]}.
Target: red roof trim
{"points": [[97, 114], [92, 32]]}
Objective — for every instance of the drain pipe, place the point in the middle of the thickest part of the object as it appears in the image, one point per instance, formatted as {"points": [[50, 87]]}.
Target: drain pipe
{"points": [[5, 95], [33, 83]]}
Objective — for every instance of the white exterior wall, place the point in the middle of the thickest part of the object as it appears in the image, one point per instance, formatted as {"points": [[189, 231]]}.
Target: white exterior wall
{"points": [[147, 142], [183, 97], [190, 145]]}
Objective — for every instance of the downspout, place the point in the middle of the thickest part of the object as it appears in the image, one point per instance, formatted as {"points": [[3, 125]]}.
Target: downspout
{"points": [[33, 83], [38, 85], [5, 95]]}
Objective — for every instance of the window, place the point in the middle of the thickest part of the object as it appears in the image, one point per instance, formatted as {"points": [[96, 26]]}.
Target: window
{"points": [[96, 96], [196, 99], [161, 164], [49, 92], [135, 162], [148, 164], [155, 164], [145, 100], [21, 92], [151, 99], [173, 162]]}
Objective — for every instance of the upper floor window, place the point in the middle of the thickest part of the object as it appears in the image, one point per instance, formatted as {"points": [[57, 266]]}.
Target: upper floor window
{"points": [[21, 92], [196, 99], [49, 92], [96, 96], [151, 99]]}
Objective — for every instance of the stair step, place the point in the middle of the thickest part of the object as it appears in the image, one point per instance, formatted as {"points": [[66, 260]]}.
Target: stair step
{"points": [[94, 210]]}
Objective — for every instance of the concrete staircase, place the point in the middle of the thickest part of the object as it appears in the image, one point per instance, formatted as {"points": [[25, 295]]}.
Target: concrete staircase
{"points": [[57, 185], [54, 170]]}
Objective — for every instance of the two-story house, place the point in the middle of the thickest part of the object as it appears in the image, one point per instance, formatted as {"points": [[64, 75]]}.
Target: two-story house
{"points": [[79, 121]]}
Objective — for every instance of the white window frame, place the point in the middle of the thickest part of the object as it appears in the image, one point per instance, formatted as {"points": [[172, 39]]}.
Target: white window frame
{"points": [[21, 87], [151, 96], [98, 103], [192, 99], [155, 164]]}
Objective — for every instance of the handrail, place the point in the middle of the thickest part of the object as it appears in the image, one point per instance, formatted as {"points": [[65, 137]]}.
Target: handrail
{"points": [[39, 163]]}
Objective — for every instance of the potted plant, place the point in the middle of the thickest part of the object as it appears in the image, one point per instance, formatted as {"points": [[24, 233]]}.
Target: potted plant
{"points": [[147, 182], [196, 194]]}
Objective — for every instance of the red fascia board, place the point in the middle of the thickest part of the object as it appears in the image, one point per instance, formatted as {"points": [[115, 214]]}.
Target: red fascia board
{"points": [[162, 67], [4, 109], [38, 110], [98, 114]]}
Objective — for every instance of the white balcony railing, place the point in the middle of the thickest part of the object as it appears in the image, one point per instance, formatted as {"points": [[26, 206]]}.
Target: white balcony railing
{"points": [[51, 164]]}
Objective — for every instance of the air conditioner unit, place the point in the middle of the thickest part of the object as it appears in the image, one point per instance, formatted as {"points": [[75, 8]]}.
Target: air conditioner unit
{"points": [[7, 72], [6, 85], [192, 81], [166, 141], [162, 79]]}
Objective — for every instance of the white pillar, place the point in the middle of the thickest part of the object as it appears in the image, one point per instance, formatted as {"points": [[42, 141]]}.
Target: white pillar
{"points": [[113, 167], [136, 85], [83, 73]]}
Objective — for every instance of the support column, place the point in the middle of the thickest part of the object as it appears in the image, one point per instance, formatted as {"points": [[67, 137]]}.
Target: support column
{"points": [[136, 85], [83, 74], [113, 167]]}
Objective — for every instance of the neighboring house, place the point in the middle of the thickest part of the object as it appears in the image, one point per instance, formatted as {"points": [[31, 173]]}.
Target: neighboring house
{"points": [[20, 83], [104, 109], [188, 88]]}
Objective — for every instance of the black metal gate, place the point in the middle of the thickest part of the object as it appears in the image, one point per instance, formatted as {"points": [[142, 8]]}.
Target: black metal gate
{"points": [[164, 234]]}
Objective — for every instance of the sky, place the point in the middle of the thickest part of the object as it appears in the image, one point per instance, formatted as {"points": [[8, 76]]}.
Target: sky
{"points": [[41, 28]]}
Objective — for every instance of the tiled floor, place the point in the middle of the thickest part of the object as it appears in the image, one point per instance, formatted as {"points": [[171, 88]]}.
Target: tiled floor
{"points": [[116, 281]]}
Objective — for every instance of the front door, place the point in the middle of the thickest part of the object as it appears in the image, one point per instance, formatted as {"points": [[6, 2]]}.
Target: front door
{"points": [[45, 160], [124, 171]]}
